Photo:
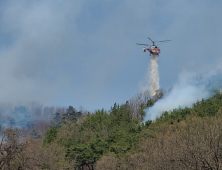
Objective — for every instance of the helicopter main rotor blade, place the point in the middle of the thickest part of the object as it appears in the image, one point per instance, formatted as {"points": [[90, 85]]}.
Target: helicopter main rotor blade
{"points": [[143, 44], [160, 43], [163, 41]]}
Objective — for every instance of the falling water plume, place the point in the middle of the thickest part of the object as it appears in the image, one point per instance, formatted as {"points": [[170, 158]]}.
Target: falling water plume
{"points": [[154, 75]]}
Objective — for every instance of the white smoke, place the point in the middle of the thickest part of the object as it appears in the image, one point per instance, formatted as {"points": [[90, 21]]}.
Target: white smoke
{"points": [[185, 92], [154, 75]]}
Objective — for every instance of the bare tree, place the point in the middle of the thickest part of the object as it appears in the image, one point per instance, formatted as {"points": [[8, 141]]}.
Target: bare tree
{"points": [[10, 147], [194, 145]]}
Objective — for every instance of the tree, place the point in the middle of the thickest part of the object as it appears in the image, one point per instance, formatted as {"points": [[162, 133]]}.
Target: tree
{"points": [[11, 147], [71, 115], [50, 135]]}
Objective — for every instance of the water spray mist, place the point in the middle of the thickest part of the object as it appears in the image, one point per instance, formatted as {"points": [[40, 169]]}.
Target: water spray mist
{"points": [[154, 75]]}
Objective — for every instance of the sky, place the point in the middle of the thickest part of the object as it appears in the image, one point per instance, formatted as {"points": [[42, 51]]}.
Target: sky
{"points": [[84, 53]]}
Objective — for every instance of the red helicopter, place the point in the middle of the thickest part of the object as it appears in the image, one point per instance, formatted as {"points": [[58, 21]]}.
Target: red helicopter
{"points": [[153, 48]]}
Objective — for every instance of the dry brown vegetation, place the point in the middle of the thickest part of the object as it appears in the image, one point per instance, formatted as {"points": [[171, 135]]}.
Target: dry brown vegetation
{"points": [[194, 144], [19, 153]]}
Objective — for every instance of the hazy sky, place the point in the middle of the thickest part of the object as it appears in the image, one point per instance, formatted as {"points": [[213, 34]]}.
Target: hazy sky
{"points": [[84, 53]]}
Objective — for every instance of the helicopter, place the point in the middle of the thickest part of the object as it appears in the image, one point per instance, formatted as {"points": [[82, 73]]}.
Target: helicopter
{"points": [[153, 48]]}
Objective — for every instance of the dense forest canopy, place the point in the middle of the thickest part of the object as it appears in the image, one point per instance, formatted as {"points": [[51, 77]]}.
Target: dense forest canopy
{"points": [[183, 138]]}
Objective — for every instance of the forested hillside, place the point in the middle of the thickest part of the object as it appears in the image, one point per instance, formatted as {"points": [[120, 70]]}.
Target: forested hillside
{"points": [[184, 138]]}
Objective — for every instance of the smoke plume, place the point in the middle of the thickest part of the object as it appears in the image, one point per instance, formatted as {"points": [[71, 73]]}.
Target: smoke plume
{"points": [[185, 92], [25, 116]]}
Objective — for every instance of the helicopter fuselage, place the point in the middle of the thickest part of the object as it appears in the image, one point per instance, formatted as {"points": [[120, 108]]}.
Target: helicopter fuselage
{"points": [[153, 50]]}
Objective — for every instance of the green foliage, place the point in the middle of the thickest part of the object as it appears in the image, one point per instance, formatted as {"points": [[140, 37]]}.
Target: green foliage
{"points": [[99, 134], [150, 103], [71, 116], [50, 135], [57, 118], [88, 152], [176, 115], [96, 122], [148, 123], [117, 131]]}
